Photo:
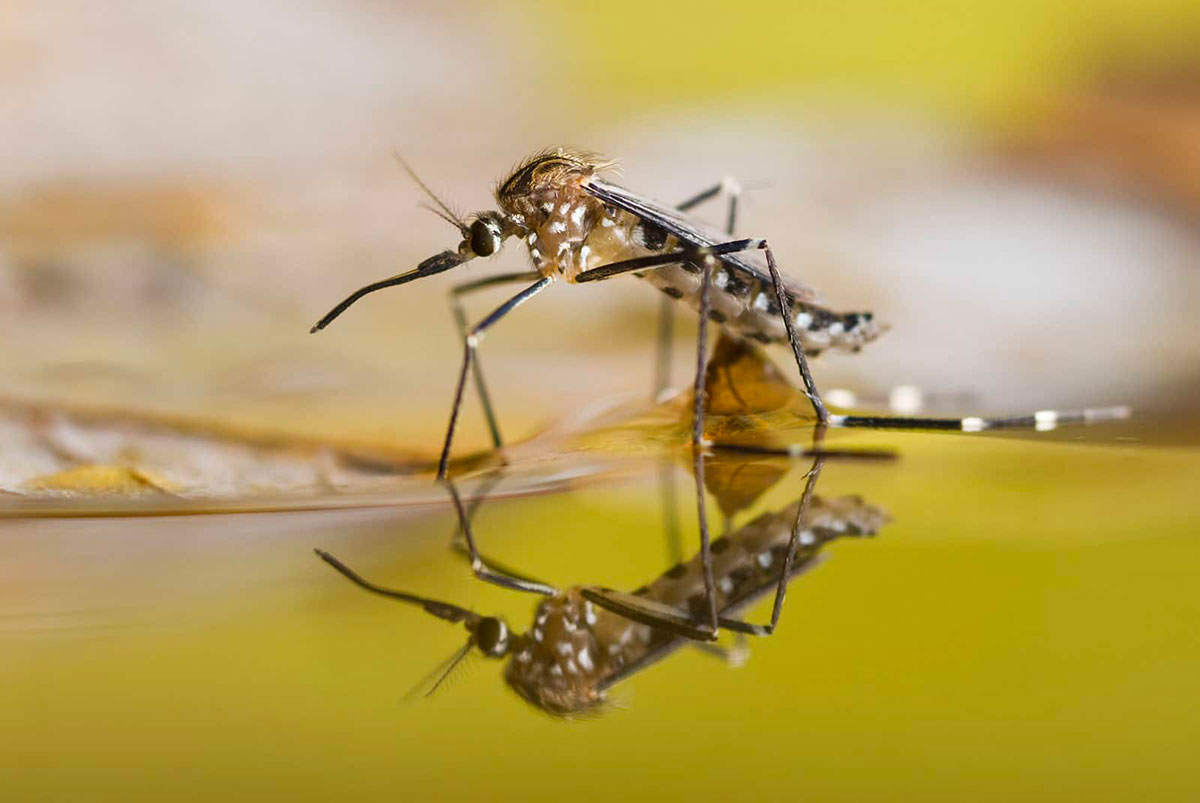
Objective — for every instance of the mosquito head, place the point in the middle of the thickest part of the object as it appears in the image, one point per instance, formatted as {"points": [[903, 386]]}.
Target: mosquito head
{"points": [[491, 636], [482, 237]]}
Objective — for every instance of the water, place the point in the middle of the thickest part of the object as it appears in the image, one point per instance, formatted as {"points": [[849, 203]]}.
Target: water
{"points": [[1022, 628]]}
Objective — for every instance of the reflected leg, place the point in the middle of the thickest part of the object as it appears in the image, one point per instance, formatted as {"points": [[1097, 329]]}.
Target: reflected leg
{"points": [[786, 574], [466, 517], [484, 571]]}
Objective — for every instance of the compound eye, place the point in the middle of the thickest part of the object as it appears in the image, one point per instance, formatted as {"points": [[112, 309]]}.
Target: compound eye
{"points": [[492, 636], [484, 239]]}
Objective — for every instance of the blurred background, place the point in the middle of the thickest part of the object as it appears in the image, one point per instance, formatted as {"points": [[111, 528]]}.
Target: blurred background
{"points": [[1014, 187], [188, 186]]}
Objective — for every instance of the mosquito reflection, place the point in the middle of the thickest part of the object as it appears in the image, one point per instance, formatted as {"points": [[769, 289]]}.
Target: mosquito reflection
{"points": [[584, 640]]}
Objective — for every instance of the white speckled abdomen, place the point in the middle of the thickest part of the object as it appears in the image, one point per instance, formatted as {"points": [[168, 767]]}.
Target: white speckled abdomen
{"points": [[575, 645], [741, 302]]}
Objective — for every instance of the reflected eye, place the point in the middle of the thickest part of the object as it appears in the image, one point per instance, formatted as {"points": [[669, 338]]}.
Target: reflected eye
{"points": [[484, 239], [492, 636]]}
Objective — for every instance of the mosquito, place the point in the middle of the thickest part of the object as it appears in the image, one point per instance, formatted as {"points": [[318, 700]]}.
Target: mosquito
{"points": [[586, 639], [580, 228]]}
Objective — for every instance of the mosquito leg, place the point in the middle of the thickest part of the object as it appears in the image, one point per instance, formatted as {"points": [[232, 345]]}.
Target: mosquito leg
{"points": [[788, 560], [484, 571], [1039, 420], [485, 487], [469, 347], [730, 186], [666, 307], [662, 260], [701, 353], [731, 247], [460, 320], [710, 594], [458, 542], [785, 311]]}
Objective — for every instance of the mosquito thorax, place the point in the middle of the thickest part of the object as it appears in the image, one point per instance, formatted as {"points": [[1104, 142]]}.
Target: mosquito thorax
{"points": [[492, 636], [557, 664]]}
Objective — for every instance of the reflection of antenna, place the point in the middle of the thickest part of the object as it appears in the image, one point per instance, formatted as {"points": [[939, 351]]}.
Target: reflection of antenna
{"points": [[446, 213], [441, 672]]}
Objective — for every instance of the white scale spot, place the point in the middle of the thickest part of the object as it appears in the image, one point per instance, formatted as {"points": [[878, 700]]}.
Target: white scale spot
{"points": [[556, 670], [577, 214], [558, 227], [807, 538], [973, 424], [762, 302], [531, 238], [725, 585], [721, 278], [572, 668], [836, 328], [565, 648], [538, 635], [548, 206], [803, 320], [607, 222], [585, 660], [764, 559], [585, 253], [564, 209], [589, 613]]}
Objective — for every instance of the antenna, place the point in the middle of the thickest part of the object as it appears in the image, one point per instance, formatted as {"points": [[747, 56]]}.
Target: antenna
{"points": [[446, 212]]}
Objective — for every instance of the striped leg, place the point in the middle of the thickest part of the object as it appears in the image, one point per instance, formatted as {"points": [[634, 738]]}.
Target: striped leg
{"points": [[471, 344], [666, 306], [460, 320]]}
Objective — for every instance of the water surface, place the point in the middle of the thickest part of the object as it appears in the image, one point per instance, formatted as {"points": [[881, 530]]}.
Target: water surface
{"points": [[1023, 627]]}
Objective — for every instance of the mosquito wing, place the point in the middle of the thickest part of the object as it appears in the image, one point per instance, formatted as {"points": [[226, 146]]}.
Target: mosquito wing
{"points": [[689, 230]]}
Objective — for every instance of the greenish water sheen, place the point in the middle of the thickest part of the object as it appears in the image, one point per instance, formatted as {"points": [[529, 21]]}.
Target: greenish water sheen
{"points": [[1023, 628]]}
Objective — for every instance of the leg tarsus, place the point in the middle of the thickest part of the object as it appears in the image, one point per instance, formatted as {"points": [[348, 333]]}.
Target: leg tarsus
{"points": [[785, 311]]}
